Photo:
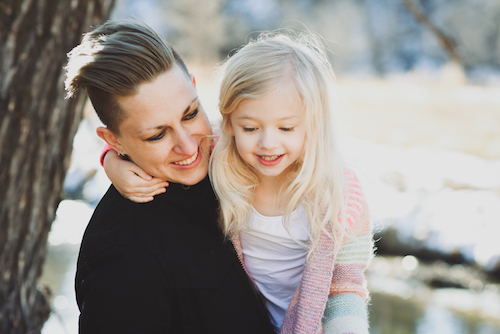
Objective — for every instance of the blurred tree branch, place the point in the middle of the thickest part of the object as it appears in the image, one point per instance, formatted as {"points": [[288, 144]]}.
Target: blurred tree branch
{"points": [[199, 29], [446, 42]]}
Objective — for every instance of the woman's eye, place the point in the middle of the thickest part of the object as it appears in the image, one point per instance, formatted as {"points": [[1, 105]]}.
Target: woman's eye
{"points": [[287, 129], [157, 136], [191, 115], [248, 129]]}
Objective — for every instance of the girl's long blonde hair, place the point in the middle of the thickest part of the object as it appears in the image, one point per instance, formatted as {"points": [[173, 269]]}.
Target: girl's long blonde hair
{"points": [[316, 179]]}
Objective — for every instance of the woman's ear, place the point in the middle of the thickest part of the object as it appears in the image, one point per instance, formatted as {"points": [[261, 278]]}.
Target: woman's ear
{"points": [[110, 138], [193, 79]]}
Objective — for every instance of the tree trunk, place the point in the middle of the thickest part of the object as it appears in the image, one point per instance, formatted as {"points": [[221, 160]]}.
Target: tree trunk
{"points": [[37, 126]]}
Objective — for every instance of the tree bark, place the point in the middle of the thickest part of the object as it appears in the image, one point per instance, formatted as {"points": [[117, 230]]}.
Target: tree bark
{"points": [[37, 126]]}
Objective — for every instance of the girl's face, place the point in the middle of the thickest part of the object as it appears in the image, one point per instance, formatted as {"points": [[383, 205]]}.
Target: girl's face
{"points": [[270, 132]]}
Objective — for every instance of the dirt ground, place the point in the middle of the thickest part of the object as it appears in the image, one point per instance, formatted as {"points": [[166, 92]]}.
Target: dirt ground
{"points": [[437, 111]]}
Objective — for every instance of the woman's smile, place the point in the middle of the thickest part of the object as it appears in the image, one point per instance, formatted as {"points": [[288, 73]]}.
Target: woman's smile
{"points": [[190, 162]]}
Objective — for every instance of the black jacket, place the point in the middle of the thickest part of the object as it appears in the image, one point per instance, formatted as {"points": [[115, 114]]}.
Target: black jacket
{"points": [[163, 267]]}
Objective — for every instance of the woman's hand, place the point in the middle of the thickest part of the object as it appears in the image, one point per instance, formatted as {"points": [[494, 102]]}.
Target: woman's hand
{"points": [[130, 180]]}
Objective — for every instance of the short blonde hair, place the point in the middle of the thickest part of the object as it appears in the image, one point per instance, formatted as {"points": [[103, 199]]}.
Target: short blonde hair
{"points": [[316, 180], [113, 60]]}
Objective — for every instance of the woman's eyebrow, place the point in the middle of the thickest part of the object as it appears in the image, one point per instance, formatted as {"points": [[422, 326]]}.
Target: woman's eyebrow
{"points": [[188, 108]]}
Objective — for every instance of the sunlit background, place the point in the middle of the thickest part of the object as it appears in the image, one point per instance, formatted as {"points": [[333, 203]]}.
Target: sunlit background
{"points": [[418, 107]]}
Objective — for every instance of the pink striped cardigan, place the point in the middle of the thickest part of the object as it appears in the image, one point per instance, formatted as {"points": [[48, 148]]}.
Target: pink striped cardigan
{"points": [[332, 295]]}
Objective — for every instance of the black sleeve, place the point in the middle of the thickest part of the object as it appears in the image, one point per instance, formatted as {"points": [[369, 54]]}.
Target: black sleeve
{"points": [[124, 290]]}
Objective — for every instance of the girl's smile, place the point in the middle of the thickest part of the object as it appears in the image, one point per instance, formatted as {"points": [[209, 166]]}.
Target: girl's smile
{"points": [[270, 160]]}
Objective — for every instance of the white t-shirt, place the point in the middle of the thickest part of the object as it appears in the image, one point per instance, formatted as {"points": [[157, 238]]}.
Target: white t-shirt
{"points": [[274, 259]]}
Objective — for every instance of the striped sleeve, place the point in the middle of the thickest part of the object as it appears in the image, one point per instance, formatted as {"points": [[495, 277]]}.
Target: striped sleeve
{"points": [[105, 150], [345, 313], [346, 310]]}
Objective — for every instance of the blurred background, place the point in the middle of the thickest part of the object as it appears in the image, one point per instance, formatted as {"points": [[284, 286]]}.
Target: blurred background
{"points": [[418, 106]]}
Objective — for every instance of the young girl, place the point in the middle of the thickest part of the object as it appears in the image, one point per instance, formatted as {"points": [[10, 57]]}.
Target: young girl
{"points": [[296, 215]]}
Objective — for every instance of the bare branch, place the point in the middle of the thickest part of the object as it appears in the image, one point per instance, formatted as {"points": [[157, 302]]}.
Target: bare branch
{"points": [[446, 42]]}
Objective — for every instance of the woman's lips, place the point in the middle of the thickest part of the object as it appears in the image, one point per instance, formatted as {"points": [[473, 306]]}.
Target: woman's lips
{"points": [[189, 160]]}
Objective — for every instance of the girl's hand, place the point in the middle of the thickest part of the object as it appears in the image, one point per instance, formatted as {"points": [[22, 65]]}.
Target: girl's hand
{"points": [[130, 180]]}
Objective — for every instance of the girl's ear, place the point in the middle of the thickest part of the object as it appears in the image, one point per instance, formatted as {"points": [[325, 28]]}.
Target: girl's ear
{"points": [[110, 138]]}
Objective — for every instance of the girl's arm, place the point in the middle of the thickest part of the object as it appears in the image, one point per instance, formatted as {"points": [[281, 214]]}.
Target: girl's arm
{"points": [[346, 309], [130, 180]]}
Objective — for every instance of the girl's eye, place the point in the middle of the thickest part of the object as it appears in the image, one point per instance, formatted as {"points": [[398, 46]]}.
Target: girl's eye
{"points": [[157, 136], [248, 129], [191, 115], [287, 129]]}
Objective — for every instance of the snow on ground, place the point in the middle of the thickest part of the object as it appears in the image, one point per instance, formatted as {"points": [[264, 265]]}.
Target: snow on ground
{"points": [[447, 201]]}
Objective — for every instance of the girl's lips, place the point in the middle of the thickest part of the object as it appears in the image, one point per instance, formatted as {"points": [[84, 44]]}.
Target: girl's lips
{"points": [[270, 160]]}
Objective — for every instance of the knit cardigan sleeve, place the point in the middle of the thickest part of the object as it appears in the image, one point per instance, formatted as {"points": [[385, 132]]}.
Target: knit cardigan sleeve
{"points": [[331, 298], [346, 310], [105, 150]]}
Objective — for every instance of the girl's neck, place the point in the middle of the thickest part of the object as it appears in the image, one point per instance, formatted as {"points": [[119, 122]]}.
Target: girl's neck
{"points": [[268, 198]]}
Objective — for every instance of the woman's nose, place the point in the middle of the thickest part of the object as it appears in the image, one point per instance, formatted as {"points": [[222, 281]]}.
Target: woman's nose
{"points": [[185, 143]]}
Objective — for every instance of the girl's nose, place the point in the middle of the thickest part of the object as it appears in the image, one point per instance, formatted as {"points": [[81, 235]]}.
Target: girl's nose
{"points": [[268, 140]]}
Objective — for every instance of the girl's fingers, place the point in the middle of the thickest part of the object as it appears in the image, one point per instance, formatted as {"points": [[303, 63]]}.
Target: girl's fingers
{"points": [[139, 172], [141, 199], [138, 183], [153, 190], [145, 190], [146, 196], [146, 187], [159, 191]]}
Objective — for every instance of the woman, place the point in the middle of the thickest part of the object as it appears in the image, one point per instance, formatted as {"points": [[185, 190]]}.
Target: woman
{"points": [[160, 267]]}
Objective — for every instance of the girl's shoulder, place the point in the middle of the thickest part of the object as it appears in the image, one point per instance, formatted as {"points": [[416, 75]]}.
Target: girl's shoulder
{"points": [[356, 207], [352, 184]]}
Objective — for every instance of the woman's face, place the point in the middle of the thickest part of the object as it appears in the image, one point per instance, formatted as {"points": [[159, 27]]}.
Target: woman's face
{"points": [[166, 128]]}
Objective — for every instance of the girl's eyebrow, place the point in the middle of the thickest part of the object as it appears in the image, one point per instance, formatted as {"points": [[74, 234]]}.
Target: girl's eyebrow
{"points": [[246, 117]]}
